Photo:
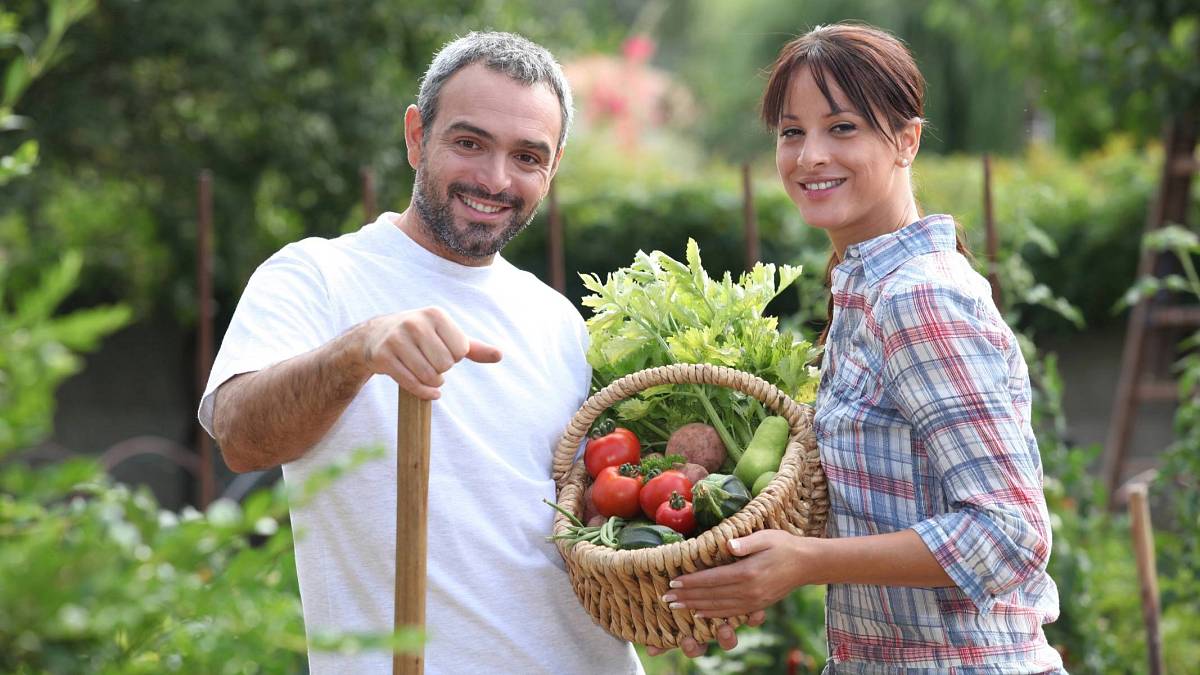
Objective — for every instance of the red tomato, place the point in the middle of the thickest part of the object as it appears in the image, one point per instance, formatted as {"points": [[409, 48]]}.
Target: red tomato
{"points": [[677, 514], [616, 489], [612, 449], [659, 489]]}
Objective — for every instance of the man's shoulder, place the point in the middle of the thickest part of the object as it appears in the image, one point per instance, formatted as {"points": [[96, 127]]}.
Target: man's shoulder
{"points": [[531, 288]]}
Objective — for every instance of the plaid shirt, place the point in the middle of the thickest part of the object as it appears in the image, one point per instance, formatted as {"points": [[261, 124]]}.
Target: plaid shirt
{"points": [[923, 423]]}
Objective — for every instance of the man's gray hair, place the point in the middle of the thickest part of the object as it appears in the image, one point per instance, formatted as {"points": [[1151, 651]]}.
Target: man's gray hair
{"points": [[506, 53]]}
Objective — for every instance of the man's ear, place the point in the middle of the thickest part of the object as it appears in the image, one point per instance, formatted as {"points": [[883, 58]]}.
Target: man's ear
{"points": [[414, 133], [557, 161]]}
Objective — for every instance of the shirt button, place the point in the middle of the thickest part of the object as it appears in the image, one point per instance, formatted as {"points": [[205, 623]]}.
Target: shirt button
{"points": [[853, 253]]}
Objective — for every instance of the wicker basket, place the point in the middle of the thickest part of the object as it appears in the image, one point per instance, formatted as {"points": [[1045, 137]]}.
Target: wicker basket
{"points": [[622, 590]]}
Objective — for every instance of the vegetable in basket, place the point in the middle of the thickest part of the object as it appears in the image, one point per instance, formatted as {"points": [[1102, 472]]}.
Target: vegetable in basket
{"points": [[659, 488], [637, 536], [717, 497], [698, 443], [677, 513], [616, 491], [611, 448], [603, 534], [659, 311], [762, 482], [765, 450]]}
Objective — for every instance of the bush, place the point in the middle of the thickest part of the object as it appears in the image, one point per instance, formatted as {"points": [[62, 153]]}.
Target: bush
{"points": [[111, 583]]}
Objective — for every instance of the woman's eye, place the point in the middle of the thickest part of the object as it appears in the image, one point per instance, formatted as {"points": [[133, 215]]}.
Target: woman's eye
{"points": [[791, 132], [843, 128]]}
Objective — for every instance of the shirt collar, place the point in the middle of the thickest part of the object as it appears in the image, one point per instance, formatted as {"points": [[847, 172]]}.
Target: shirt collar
{"points": [[883, 254]]}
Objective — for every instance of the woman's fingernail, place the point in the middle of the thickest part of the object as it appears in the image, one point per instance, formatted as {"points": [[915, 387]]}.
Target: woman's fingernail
{"points": [[699, 615], [734, 545], [668, 597], [675, 605], [675, 583]]}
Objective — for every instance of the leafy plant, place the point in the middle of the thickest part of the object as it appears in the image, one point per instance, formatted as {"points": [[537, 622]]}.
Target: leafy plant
{"points": [[660, 311], [37, 348], [111, 583]]}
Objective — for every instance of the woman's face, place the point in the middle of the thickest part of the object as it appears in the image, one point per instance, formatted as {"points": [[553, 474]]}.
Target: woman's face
{"points": [[845, 177]]}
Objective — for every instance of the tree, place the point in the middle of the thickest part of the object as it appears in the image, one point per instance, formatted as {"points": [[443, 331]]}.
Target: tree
{"points": [[1100, 66]]}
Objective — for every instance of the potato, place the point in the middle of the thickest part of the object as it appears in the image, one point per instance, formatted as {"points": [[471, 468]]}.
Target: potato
{"points": [[589, 507], [699, 444], [694, 472]]}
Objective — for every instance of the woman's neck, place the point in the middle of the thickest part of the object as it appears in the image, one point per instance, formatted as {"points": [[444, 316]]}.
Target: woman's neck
{"points": [[895, 218]]}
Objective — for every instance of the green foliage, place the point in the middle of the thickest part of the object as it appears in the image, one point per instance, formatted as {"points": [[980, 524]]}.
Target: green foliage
{"points": [[793, 635], [38, 350], [1100, 65], [1060, 221], [110, 583], [108, 219], [29, 62]]}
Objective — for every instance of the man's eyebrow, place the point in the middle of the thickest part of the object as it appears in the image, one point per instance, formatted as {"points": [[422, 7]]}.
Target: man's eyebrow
{"points": [[471, 129], [539, 146]]}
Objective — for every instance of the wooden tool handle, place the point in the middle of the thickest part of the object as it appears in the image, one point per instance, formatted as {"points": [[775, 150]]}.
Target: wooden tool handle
{"points": [[412, 494]]}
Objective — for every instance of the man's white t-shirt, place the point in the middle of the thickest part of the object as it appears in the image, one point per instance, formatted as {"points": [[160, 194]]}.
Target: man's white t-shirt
{"points": [[498, 599]]}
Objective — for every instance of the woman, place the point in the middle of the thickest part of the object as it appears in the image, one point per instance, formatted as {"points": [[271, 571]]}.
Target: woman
{"points": [[938, 530]]}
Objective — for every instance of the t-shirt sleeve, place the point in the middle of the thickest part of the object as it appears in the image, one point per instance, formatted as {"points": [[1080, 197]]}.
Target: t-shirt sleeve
{"points": [[946, 368], [285, 311]]}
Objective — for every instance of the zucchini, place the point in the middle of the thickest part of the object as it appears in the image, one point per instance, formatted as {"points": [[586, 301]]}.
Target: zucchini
{"points": [[646, 536], [717, 497]]}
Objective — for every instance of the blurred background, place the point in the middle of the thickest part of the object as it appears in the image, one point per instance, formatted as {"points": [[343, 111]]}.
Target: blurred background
{"points": [[129, 129]]}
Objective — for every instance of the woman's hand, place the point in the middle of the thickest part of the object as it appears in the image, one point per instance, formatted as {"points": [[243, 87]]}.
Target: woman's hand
{"points": [[726, 638], [772, 565]]}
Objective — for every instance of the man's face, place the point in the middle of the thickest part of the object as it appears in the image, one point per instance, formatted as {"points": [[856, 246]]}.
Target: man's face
{"points": [[486, 164]]}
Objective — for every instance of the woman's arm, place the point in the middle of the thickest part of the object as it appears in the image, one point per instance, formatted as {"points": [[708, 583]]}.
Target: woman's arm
{"points": [[774, 563]]}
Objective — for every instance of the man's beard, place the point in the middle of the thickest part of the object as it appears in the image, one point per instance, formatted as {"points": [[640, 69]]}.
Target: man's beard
{"points": [[476, 240]]}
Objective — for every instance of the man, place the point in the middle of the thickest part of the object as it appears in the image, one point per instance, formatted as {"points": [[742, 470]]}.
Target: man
{"points": [[326, 329]]}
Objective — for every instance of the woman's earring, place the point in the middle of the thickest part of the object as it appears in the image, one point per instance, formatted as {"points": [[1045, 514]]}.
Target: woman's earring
{"points": [[904, 162]]}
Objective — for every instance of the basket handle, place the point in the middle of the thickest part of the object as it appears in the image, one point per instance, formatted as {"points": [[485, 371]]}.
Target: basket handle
{"points": [[680, 373]]}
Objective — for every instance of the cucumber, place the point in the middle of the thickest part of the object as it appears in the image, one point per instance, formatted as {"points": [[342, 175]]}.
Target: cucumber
{"points": [[646, 536], [761, 483], [765, 450]]}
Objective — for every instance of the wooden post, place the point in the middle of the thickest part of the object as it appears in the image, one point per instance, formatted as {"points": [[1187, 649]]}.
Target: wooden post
{"points": [[992, 243], [370, 211], [204, 327], [412, 495], [749, 218], [1143, 546], [554, 243]]}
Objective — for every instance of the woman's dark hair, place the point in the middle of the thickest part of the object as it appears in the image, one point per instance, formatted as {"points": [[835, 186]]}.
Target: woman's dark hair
{"points": [[874, 70]]}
